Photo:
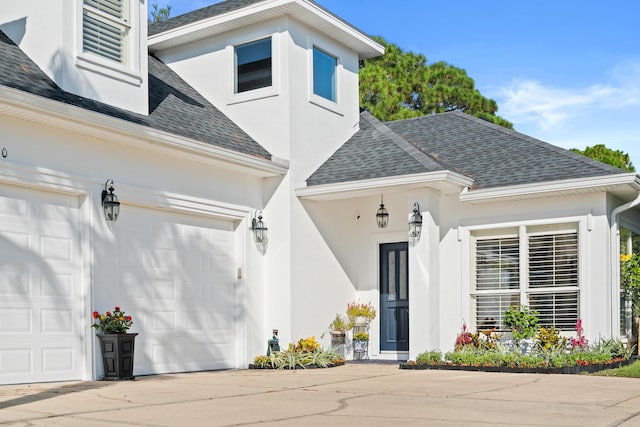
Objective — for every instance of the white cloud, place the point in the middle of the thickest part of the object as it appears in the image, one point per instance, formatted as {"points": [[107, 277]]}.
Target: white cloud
{"points": [[545, 106], [604, 113]]}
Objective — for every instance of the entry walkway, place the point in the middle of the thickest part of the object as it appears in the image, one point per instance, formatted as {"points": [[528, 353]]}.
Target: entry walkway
{"points": [[355, 394]]}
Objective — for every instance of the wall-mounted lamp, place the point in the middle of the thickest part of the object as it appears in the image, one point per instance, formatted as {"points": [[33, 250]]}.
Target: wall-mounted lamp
{"points": [[415, 223], [382, 216], [259, 229], [110, 202]]}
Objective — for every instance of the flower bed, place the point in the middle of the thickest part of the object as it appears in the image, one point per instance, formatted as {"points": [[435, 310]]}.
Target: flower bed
{"points": [[578, 369], [304, 354]]}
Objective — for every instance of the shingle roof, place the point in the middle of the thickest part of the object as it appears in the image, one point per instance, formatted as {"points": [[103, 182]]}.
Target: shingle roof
{"points": [[174, 106], [199, 15], [491, 155], [375, 151]]}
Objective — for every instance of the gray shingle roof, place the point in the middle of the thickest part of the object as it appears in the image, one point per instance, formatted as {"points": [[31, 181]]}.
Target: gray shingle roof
{"points": [[491, 155], [199, 15], [174, 106]]}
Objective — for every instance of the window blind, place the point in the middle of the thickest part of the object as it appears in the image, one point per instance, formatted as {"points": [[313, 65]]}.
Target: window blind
{"points": [[497, 263], [104, 29]]}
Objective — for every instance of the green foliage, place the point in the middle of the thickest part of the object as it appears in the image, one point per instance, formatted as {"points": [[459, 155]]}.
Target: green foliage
{"points": [[629, 371], [609, 156], [159, 14], [432, 357], [116, 322], [361, 336], [400, 85], [303, 353], [549, 338], [522, 321], [630, 279], [359, 309], [340, 324]]}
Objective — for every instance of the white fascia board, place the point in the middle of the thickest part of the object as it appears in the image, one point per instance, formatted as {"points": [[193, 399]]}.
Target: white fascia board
{"points": [[552, 188], [342, 190], [305, 11], [23, 105]]}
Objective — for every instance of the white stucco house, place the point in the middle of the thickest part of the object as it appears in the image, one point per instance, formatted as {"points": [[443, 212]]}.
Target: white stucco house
{"points": [[250, 107]]}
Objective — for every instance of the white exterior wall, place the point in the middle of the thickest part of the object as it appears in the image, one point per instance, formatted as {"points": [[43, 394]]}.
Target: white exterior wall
{"points": [[50, 33]]}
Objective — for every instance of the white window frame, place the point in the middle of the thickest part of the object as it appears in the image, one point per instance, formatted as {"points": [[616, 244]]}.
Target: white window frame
{"points": [[333, 106], [126, 70], [524, 292], [230, 58], [334, 83], [236, 90], [628, 235]]}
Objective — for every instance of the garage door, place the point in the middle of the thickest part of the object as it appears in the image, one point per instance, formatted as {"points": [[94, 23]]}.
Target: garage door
{"points": [[41, 310], [177, 278]]}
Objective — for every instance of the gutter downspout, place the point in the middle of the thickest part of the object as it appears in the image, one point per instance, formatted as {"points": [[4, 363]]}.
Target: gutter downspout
{"points": [[615, 260]]}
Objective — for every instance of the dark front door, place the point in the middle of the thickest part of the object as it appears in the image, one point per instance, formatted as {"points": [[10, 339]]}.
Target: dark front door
{"points": [[394, 297]]}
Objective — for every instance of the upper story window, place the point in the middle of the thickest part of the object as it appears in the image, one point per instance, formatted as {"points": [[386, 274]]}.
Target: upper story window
{"points": [[105, 28], [324, 74], [253, 65], [534, 266]]}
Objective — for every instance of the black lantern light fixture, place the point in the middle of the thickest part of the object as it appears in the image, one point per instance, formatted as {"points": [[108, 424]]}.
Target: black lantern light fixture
{"points": [[415, 223], [110, 202], [382, 216], [259, 229]]}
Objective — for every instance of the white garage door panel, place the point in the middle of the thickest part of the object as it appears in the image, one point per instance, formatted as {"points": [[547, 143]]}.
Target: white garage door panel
{"points": [[178, 277], [41, 310]]}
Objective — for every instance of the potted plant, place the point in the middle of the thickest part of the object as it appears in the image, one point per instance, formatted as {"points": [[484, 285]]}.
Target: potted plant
{"points": [[338, 329], [523, 323], [116, 343], [360, 342], [360, 313]]}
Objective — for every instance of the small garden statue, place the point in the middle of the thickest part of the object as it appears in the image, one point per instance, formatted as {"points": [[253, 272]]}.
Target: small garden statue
{"points": [[273, 344]]}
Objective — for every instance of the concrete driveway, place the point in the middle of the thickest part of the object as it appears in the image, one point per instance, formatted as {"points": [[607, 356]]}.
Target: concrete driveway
{"points": [[351, 395]]}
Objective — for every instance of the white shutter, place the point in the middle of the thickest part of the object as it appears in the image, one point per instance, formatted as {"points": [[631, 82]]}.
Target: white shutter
{"points": [[104, 29], [553, 260], [497, 263]]}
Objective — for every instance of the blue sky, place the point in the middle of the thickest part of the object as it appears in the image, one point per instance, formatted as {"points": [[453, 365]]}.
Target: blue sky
{"points": [[563, 71]]}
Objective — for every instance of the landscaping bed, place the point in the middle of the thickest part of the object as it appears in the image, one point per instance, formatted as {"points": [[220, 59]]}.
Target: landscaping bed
{"points": [[578, 369]]}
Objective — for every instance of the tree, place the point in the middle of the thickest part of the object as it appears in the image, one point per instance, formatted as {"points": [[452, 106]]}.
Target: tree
{"points": [[159, 14], [609, 156], [400, 85]]}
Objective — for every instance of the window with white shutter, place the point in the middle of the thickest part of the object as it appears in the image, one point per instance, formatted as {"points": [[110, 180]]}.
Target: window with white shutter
{"points": [[550, 285], [105, 29]]}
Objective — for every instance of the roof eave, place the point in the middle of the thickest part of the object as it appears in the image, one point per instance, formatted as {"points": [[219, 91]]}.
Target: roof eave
{"points": [[623, 185], [302, 10], [447, 182], [26, 106]]}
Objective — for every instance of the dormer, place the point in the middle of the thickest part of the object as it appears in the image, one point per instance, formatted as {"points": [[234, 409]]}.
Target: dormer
{"points": [[286, 71], [95, 49]]}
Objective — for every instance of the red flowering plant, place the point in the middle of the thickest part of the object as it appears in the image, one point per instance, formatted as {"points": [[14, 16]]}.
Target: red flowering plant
{"points": [[115, 322]]}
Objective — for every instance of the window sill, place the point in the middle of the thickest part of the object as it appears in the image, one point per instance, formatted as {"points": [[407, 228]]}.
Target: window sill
{"points": [[108, 69], [253, 95], [326, 104]]}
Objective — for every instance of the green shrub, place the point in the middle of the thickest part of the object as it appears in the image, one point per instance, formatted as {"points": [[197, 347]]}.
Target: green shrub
{"points": [[522, 321], [429, 358]]}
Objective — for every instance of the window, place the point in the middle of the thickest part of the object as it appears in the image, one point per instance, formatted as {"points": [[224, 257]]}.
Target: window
{"points": [[629, 244], [253, 65], [105, 28], [550, 282], [324, 74]]}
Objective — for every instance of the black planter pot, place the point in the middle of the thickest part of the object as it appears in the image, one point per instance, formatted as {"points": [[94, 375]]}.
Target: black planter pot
{"points": [[117, 355]]}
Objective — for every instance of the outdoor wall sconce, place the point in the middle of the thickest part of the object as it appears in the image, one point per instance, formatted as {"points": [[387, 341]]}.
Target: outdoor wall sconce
{"points": [[415, 223], [259, 229], [110, 202], [382, 216]]}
